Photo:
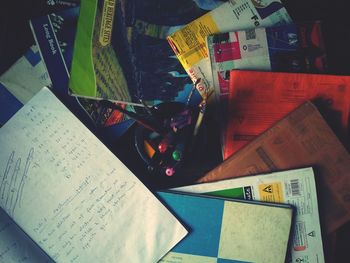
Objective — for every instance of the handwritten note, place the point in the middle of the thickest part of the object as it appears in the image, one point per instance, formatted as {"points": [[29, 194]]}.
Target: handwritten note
{"points": [[16, 246], [72, 196]]}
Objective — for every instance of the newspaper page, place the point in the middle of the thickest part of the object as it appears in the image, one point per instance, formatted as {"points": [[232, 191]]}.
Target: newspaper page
{"points": [[296, 187]]}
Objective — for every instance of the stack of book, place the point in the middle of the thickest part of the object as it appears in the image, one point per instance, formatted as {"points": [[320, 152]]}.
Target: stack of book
{"points": [[283, 184], [278, 110]]}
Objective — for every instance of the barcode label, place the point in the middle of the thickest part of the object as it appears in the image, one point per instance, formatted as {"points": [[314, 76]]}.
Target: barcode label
{"points": [[295, 187], [250, 34]]}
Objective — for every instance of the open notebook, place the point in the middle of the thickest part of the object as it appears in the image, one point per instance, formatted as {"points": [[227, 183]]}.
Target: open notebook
{"points": [[72, 196]]}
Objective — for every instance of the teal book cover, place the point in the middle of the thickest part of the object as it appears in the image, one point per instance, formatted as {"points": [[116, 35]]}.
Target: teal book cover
{"points": [[228, 230]]}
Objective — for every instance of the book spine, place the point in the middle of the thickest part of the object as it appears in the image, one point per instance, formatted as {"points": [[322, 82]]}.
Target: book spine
{"points": [[50, 52]]}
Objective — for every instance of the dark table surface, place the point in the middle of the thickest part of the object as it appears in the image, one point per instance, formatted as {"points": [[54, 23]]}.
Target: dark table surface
{"points": [[16, 38]]}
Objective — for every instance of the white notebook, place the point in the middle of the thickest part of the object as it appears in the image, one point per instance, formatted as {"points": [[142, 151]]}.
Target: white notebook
{"points": [[72, 196]]}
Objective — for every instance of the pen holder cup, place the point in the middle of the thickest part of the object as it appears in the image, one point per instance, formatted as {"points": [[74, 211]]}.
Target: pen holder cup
{"points": [[174, 150]]}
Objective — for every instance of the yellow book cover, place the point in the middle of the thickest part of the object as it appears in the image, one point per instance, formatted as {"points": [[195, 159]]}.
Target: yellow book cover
{"points": [[189, 43]]}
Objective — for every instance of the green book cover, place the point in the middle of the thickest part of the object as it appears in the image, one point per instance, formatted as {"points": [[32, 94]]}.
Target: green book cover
{"points": [[121, 52], [102, 62]]}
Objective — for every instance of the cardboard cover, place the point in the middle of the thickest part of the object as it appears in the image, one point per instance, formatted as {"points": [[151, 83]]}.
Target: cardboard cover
{"points": [[301, 139]]}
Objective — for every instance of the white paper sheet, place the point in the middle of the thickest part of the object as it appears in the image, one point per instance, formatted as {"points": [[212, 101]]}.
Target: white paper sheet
{"points": [[27, 76], [72, 196]]}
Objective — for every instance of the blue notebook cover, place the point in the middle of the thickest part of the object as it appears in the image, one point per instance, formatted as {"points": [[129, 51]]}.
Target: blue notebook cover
{"points": [[9, 105], [228, 230]]}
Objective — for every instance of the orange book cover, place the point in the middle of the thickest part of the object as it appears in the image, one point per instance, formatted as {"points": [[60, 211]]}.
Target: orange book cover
{"points": [[257, 100], [302, 139]]}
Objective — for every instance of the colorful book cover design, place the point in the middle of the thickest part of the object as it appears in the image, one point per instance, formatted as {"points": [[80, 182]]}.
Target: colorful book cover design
{"points": [[189, 42], [135, 49], [55, 35], [289, 48]]}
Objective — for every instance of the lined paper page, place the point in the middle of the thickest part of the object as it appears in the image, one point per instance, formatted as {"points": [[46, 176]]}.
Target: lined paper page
{"points": [[72, 196]]}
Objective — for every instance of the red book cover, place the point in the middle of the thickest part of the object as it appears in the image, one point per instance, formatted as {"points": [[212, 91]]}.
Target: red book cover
{"points": [[257, 100]]}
